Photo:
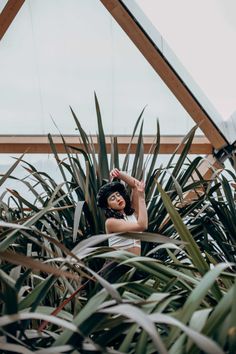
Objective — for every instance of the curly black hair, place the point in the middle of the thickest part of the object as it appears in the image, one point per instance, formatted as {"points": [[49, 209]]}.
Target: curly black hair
{"points": [[111, 213], [103, 195]]}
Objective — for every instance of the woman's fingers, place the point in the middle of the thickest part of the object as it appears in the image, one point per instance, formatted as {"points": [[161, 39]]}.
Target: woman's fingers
{"points": [[115, 172], [140, 185], [143, 184]]}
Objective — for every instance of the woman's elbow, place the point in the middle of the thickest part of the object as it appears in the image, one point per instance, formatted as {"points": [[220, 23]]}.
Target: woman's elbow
{"points": [[142, 227], [145, 227]]}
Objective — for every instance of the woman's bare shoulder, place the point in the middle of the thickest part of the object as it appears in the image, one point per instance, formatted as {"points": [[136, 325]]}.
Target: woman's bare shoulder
{"points": [[120, 225], [111, 222]]}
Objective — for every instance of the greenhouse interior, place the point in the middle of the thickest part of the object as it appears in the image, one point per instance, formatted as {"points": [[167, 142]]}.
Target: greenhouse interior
{"points": [[118, 176]]}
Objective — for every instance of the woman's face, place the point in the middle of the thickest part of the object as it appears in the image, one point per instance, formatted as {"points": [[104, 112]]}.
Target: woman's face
{"points": [[116, 201]]}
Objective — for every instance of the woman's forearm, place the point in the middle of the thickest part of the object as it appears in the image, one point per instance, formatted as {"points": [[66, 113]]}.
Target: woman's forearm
{"points": [[142, 215], [137, 197], [128, 179]]}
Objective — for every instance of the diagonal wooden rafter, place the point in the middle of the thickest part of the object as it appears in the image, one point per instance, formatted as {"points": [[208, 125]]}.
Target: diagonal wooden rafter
{"points": [[208, 167], [163, 68], [8, 14], [182, 92], [215, 140]]}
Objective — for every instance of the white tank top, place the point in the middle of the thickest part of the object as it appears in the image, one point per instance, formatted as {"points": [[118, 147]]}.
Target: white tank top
{"points": [[124, 243]]}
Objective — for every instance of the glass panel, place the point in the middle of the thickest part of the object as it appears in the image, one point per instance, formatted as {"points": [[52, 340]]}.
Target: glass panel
{"points": [[202, 35], [50, 62], [2, 4]]}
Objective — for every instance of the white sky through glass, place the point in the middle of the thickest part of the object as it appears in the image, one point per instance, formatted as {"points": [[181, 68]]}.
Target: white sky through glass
{"points": [[203, 35], [57, 53]]}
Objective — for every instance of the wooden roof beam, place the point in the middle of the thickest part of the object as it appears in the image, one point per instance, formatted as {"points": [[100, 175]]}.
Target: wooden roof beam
{"points": [[8, 14], [208, 168], [40, 145], [160, 64]]}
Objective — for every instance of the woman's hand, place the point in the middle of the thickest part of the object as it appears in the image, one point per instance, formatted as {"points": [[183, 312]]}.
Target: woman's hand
{"points": [[115, 173], [140, 187]]}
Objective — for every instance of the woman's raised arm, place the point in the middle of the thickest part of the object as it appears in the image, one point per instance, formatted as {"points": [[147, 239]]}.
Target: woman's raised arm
{"points": [[130, 181], [120, 225]]}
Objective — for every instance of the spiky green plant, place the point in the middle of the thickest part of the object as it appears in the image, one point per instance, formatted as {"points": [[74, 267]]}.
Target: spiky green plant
{"points": [[175, 298]]}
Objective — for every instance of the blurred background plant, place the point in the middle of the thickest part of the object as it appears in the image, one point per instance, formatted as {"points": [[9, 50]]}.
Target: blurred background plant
{"points": [[58, 293]]}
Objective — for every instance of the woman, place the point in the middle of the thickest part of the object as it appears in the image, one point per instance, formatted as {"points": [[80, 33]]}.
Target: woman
{"points": [[123, 214]]}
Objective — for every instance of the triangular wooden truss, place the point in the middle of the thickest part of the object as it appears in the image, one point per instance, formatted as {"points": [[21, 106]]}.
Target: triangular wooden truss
{"points": [[126, 13]]}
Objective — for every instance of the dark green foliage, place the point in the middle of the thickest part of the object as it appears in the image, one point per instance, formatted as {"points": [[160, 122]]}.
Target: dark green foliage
{"points": [[174, 298]]}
